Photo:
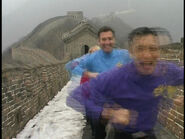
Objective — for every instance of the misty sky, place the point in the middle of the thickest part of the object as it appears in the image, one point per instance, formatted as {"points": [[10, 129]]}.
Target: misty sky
{"points": [[21, 16]]}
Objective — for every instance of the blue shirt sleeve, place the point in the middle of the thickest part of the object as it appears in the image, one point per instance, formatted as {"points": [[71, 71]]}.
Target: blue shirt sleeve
{"points": [[82, 66]]}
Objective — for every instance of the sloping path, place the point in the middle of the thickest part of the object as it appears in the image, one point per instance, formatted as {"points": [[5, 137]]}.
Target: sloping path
{"points": [[56, 120]]}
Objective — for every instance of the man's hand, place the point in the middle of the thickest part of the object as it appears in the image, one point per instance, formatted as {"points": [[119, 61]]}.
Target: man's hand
{"points": [[108, 110], [107, 113], [121, 116], [91, 74], [118, 115]]}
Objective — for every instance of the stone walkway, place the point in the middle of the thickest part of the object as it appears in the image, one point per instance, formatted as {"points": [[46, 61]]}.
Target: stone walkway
{"points": [[56, 120], [59, 121], [160, 131]]}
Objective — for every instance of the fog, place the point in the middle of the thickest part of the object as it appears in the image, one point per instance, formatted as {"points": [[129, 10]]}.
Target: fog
{"points": [[21, 16]]}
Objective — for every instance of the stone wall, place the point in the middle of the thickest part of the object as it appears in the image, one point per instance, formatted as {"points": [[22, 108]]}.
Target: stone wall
{"points": [[173, 55], [26, 91], [171, 111], [32, 57], [171, 114]]}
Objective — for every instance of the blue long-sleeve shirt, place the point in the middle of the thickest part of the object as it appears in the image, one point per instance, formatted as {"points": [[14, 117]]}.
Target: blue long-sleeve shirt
{"points": [[126, 87], [100, 61]]}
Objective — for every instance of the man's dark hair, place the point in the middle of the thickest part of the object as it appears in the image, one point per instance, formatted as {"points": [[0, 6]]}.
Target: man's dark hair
{"points": [[141, 31], [105, 29]]}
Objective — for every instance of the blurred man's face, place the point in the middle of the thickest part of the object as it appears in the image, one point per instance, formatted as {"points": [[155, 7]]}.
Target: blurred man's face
{"points": [[107, 41], [145, 51]]}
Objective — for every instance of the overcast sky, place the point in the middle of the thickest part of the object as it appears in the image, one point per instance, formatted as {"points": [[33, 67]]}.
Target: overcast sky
{"points": [[21, 16]]}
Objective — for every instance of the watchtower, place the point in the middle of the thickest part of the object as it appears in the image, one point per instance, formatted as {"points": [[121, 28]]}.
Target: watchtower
{"points": [[75, 14]]}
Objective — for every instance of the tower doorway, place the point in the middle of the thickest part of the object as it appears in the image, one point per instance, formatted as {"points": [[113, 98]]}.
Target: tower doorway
{"points": [[85, 49]]}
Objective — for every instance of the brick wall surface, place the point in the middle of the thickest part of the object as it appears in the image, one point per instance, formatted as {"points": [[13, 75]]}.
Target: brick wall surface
{"points": [[171, 111], [25, 92], [171, 114]]}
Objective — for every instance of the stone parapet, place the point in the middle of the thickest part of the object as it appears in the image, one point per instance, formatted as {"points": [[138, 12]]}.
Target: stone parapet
{"points": [[171, 114], [25, 91]]}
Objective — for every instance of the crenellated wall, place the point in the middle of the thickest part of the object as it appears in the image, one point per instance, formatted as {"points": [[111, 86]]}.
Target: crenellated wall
{"points": [[171, 111], [25, 91], [171, 114]]}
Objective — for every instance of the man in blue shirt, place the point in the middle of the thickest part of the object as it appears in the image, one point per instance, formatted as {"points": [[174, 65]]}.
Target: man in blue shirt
{"points": [[127, 97], [104, 59]]}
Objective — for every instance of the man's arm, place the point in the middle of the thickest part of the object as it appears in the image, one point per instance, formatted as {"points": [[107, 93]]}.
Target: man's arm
{"points": [[115, 114], [82, 68], [100, 107], [174, 75], [99, 104], [97, 88], [90, 74]]}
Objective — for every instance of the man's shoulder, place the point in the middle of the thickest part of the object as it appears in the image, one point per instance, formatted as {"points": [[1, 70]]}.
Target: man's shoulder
{"points": [[118, 71], [91, 56], [122, 52], [125, 51], [168, 68], [168, 65], [95, 54], [124, 55]]}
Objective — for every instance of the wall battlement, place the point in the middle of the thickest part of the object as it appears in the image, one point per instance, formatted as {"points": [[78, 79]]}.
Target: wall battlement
{"points": [[171, 111], [26, 91]]}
